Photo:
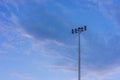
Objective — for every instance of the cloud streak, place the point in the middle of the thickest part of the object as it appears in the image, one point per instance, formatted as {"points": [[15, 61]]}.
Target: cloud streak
{"points": [[24, 76], [50, 26]]}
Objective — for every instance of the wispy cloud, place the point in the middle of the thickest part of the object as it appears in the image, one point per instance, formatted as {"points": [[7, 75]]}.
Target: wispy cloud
{"points": [[23, 76], [109, 8], [47, 32]]}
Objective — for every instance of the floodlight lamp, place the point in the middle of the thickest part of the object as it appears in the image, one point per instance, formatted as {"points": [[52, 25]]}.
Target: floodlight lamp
{"points": [[85, 28], [81, 28], [76, 31], [72, 31]]}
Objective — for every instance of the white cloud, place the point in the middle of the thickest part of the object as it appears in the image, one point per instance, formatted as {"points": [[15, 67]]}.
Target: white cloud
{"points": [[23, 76]]}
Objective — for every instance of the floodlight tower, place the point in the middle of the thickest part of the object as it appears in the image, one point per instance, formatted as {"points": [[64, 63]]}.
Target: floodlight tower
{"points": [[78, 31]]}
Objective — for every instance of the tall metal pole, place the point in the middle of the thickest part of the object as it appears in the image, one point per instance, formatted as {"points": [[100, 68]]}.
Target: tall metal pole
{"points": [[79, 30], [79, 74]]}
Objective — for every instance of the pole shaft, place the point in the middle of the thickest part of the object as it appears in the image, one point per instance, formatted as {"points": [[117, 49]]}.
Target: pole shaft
{"points": [[79, 75]]}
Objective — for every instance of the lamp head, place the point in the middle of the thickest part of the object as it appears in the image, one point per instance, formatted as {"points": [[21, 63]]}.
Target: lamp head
{"points": [[76, 30], [85, 28], [72, 31]]}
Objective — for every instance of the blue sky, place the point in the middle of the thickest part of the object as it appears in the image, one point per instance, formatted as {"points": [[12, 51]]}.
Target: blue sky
{"points": [[36, 41]]}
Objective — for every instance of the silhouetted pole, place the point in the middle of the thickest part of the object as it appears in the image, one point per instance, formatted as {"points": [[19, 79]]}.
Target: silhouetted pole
{"points": [[79, 30], [79, 75]]}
